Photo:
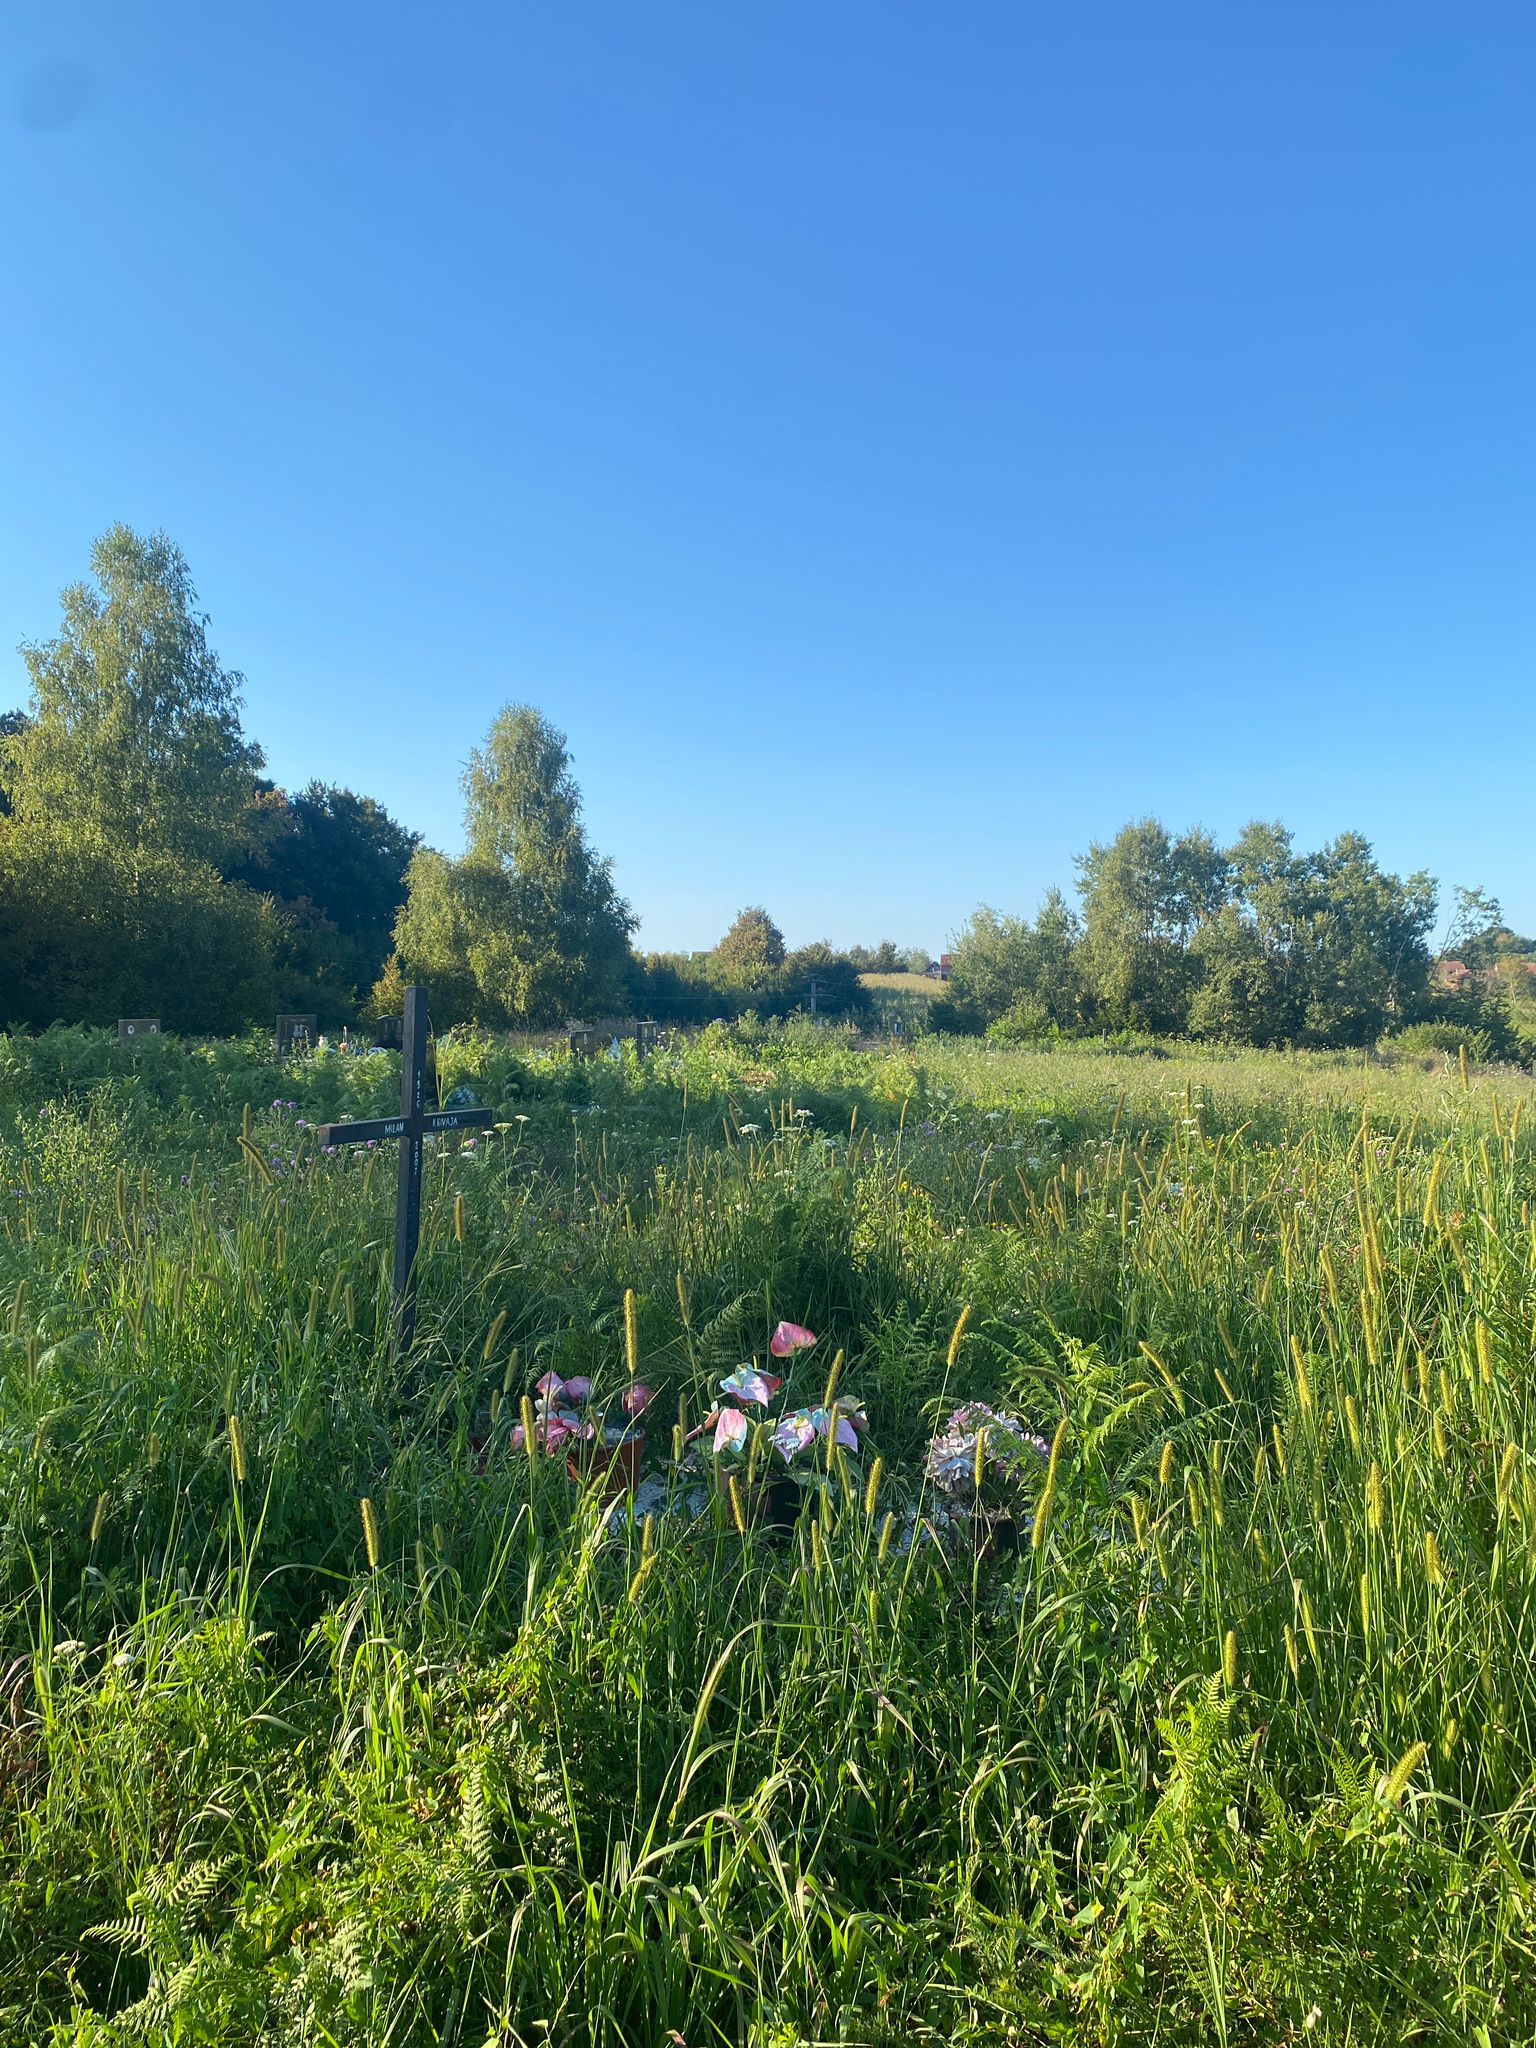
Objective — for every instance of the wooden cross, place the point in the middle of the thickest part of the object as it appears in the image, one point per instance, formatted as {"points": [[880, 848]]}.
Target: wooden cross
{"points": [[409, 1127]]}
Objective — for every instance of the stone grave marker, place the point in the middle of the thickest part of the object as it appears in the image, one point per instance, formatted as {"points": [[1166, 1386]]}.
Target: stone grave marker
{"points": [[295, 1033]]}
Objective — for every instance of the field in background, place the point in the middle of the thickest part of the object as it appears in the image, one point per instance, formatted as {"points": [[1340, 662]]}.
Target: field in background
{"points": [[1237, 1744], [907, 997]]}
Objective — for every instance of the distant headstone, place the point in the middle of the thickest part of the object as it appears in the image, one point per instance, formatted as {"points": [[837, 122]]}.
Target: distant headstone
{"points": [[387, 1031], [136, 1027], [608, 1034], [295, 1033]]}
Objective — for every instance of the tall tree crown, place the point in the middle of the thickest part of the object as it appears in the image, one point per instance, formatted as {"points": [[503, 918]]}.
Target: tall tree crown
{"points": [[752, 949], [528, 926], [136, 735]]}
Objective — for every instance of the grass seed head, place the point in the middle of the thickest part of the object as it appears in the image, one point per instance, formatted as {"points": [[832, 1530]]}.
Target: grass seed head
{"points": [[1375, 1499], [1506, 1477], [1394, 1783], [1303, 1377], [955, 1335], [834, 1374], [1352, 1421], [631, 1334]]}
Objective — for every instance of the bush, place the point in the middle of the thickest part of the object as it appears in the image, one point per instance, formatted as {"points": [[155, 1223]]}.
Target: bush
{"points": [[1432, 1037], [959, 1019], [1027, 1022]]}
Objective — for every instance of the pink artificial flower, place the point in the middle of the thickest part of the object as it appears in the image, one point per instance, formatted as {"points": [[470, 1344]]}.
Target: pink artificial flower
{"points": [[518, 1438], [746, 1385], [555, 1434], [637, 1398], [730, 1428], [550, 1386], [793, 1433], [579, 1388], [790, 1337]]}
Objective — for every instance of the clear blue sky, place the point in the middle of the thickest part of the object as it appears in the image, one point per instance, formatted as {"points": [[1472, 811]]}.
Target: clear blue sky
{"points": [[896, 442]]}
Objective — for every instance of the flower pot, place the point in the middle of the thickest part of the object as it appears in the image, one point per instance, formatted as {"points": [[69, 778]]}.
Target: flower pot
{"points": [[995, 1533], [774, 1504], [611, 1468], [783, 1503]]}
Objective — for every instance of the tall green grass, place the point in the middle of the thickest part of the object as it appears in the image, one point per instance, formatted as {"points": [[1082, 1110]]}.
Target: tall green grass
{"points": [[1236, 1745]]}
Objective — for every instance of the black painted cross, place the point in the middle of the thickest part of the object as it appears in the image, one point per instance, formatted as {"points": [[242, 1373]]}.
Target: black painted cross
{"points": [[410, 1127]]}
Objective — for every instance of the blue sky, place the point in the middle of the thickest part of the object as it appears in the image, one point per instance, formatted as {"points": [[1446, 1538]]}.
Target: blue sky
{"points": [[896, 442]]}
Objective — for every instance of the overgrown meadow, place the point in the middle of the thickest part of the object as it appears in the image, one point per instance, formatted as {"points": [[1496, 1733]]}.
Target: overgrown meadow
{"points": [[1222, 1728]]}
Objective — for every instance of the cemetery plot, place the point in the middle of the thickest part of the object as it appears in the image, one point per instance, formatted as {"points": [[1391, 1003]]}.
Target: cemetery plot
{"points": [[820, 1476]]}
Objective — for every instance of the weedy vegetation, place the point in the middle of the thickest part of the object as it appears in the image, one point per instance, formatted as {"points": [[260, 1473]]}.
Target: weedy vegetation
{"points": [[335, 1709]]}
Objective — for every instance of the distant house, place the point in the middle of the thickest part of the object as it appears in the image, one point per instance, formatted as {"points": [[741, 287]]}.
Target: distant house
{"points": [[1452, 974], [938, 970]]}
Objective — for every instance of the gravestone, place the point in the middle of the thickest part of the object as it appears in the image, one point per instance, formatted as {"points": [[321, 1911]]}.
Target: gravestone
{"points": [[590, 1040], [136, 1027], [295, 1033]]}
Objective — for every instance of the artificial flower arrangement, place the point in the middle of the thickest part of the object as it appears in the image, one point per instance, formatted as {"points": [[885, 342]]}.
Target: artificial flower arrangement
{"points": [[980, 1466], [600, 1444], [739, 1437]]}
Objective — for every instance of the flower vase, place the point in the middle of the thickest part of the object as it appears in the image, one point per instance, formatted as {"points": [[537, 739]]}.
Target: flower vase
{"points": [[994, 1532], [611, 1469], [773, 1504]]}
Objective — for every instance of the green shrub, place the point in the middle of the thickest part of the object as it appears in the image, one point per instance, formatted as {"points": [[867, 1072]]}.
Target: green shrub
{"points": [[1429, 1038]]}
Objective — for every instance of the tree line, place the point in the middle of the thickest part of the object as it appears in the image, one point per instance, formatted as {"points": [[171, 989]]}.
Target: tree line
{"points": [[149, 867], [1254, 943]]}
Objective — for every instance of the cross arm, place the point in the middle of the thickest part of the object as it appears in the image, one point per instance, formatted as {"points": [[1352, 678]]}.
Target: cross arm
{"points": [[457, 1120], [374, 1130]]}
